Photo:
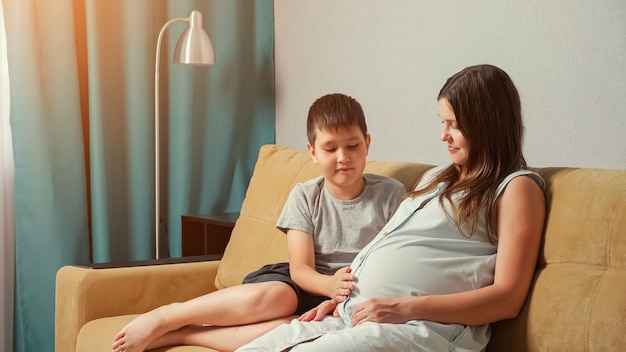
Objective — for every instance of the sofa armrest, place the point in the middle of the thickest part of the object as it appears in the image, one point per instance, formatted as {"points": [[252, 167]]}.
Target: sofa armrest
{"points": [[85, 293]]}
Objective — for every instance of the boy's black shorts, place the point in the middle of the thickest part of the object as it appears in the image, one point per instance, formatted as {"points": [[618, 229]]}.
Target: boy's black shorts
{"points": [[280, 272]]}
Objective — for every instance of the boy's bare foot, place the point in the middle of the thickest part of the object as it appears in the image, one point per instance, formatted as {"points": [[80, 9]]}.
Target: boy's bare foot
{"points": [[137, 335]]}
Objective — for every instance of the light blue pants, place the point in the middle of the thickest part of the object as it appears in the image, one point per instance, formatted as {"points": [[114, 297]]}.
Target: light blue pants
{"points": [[332, 334]]}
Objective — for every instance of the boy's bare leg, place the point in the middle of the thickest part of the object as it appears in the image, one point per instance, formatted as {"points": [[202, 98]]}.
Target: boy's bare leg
{"points": [[236, 305], [221, 338]]}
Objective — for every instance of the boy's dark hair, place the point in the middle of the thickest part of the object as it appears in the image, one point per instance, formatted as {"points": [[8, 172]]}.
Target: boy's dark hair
{"points": [[334, 111]]}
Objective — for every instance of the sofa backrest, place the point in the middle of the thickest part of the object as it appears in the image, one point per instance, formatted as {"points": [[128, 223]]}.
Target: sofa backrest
{"points": [[578, 300], [255, 240]]}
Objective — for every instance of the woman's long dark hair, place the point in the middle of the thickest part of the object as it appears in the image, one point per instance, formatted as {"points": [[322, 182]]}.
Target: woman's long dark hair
{"points": [[488, 112]]}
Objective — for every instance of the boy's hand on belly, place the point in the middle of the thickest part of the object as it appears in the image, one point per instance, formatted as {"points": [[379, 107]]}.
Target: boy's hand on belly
{"points": [[342, 284], [319, 312]]}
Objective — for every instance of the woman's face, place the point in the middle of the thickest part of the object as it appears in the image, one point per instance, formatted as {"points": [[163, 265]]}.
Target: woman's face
{"points": [[458, 146]]}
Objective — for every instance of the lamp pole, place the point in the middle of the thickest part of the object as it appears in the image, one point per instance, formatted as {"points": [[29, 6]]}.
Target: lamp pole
{"points": [[193, 48]]}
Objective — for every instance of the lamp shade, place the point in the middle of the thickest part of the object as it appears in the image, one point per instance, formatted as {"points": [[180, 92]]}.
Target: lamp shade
{"points": [[194, 46]]}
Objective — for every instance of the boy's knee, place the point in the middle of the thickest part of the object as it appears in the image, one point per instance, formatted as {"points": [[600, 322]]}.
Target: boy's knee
{"points": [[276, 295]]}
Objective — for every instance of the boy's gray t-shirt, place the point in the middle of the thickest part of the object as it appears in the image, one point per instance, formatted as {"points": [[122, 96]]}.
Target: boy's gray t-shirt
{"points": [[340, 228]]}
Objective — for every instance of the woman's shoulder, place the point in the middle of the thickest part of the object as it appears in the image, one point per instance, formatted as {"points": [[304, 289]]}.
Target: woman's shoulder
{"points": [[527, 175]]}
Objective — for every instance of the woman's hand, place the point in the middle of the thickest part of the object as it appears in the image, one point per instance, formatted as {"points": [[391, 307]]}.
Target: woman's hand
{"points": [[381, 310], [319, 312], [342, 283]]}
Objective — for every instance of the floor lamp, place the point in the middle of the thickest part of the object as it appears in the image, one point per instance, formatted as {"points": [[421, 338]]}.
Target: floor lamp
{"points": [[193, 48]]}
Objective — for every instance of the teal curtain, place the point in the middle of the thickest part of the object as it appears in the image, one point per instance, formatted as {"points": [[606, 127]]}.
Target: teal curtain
{"points": [[82, 119], [50, 190]]}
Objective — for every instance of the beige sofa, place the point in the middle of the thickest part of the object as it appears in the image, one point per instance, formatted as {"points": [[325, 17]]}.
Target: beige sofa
{"points": [[577, 301]]}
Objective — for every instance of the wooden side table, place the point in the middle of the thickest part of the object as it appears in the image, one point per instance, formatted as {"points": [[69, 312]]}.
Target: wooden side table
{"points": [[207, 233]]}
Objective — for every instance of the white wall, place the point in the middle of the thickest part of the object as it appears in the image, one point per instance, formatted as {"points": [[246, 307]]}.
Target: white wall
{"points": [[567, 58]]}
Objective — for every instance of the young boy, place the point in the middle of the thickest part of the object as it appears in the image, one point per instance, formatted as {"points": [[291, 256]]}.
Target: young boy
{"points": [[327, 221]]}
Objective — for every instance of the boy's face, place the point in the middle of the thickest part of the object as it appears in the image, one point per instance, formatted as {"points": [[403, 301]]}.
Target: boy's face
{"points": [[341, 155]]}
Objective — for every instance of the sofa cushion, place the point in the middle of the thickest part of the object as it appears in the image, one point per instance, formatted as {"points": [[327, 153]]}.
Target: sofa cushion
{"points": [[255, 240]]}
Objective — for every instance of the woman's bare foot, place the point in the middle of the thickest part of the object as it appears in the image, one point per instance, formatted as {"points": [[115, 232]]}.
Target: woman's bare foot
{"points": [[139, 333]]}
